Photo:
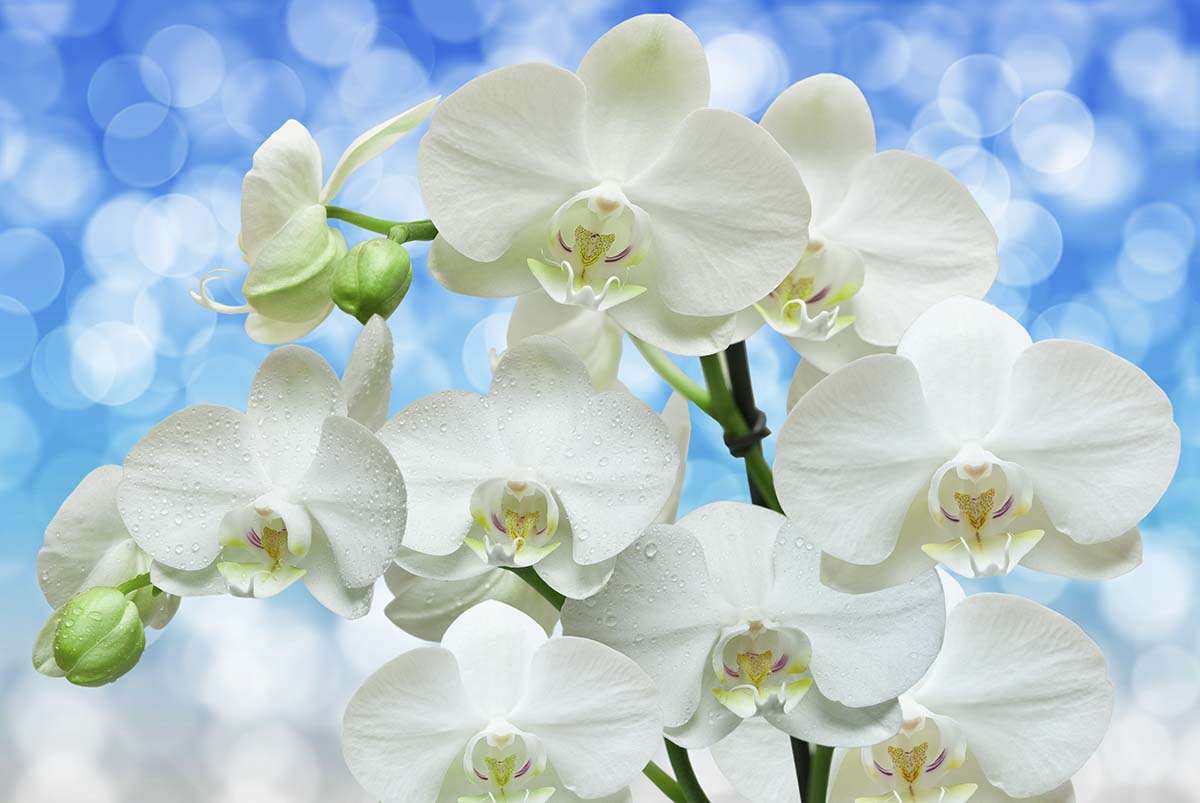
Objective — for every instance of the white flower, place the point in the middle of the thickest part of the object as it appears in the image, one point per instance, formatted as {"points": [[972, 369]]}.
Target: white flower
{"points": [[425, 607], [727, 613], [1012, 708], [614, 188], [87, 545], [973, 448], [294, 488], [500, 713], [892, 233], [542, 472], [285, 237]]}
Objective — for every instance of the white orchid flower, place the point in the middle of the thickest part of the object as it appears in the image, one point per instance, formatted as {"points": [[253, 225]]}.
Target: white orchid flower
{"points": [[501, 713], [727, 613], [285, 237], [87, 545], [292, 489], [614, 188], [1017, 701], [892, 233], [542, 472], [425, 607], [977, 449]]}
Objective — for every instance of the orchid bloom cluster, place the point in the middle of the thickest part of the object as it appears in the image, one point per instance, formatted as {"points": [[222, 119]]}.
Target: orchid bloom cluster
{"points": [[815, 641]]}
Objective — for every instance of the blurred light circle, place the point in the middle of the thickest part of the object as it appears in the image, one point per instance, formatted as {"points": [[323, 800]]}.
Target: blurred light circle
{"points": [[173, 322], [1053, 131], [874, 54], [14, 141], [488, 336], [101, 302], [1152, 601], [799, 24], [192, 60], [59, 17], [1143, 61], [51, 371], [31, 268], [1031, 243], [1013, 299], [382, 81], [31, 72], [18, 336], [940, 36], [979, 95], [175, 235], [1041, 61], [59, 175], [123, 81], [748, 71], [1159, 237], [1149, 285], [1073, 321], [934, 139], [1166, 680], [1141, 741], [112, 362], [260, 95], [20, 445], [1037, 586], [145, 144], [1111, 172], [108, 240], [457, 20], [326, 33], [1179, 102], [1186, 399], [982, 173], [57, 777]]}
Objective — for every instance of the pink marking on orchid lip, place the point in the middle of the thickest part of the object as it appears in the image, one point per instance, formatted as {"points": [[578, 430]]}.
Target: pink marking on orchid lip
{"points": [[562, 244], [781, 663], [820, 296], [254, 538], [882, 770], [733, 673], [937, 762], [621, 255], [496, 523], [479, 775], [523, 770], [1003, 508], [946, 513]]}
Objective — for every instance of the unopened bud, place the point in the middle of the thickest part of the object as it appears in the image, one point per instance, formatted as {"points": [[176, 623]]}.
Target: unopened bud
{"points": [[99, 637], [372, 278]]}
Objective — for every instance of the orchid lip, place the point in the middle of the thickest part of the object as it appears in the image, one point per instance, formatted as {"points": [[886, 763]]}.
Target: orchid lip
{"points": [[1003, 508], [253, 537], [820, 296]]}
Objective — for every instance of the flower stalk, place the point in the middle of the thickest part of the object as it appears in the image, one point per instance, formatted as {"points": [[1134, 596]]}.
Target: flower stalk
{"points": [[398, 231]]}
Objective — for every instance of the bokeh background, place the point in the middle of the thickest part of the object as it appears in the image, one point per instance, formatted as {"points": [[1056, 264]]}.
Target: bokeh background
{"points": [[125, 128]]}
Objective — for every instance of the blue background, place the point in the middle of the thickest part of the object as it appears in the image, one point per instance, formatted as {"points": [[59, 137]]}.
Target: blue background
{"points": [[125, 128]]}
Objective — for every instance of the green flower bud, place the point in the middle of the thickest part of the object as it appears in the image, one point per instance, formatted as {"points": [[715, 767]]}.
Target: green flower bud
{"points": [[98, 638], [372, 278]]}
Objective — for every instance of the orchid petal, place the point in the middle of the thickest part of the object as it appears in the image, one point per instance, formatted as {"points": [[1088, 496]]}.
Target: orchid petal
{"points": [[367, 380], [584, 700], [672, 649], [825, 125], [921, 235], [592, 336], [271, 332], [819, 720], [853, 454], [646, 317], [183, 583], [494, 644], [289, 278], [324, 581], [181, 479], [757, 760], [354, 491], [409, 722], [1101, 455], [284, 180], [448, 444], [506, 276], [1051, 676], [504, 149], [643, 77], [723, 196], [677, 415]]}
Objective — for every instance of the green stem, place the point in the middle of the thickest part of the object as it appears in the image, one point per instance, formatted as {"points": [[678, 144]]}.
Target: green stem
{"points": [[133, 584], [686, 776], [400, 231], [674, 375], [665, 783], [818, 779], [539, 585]]}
